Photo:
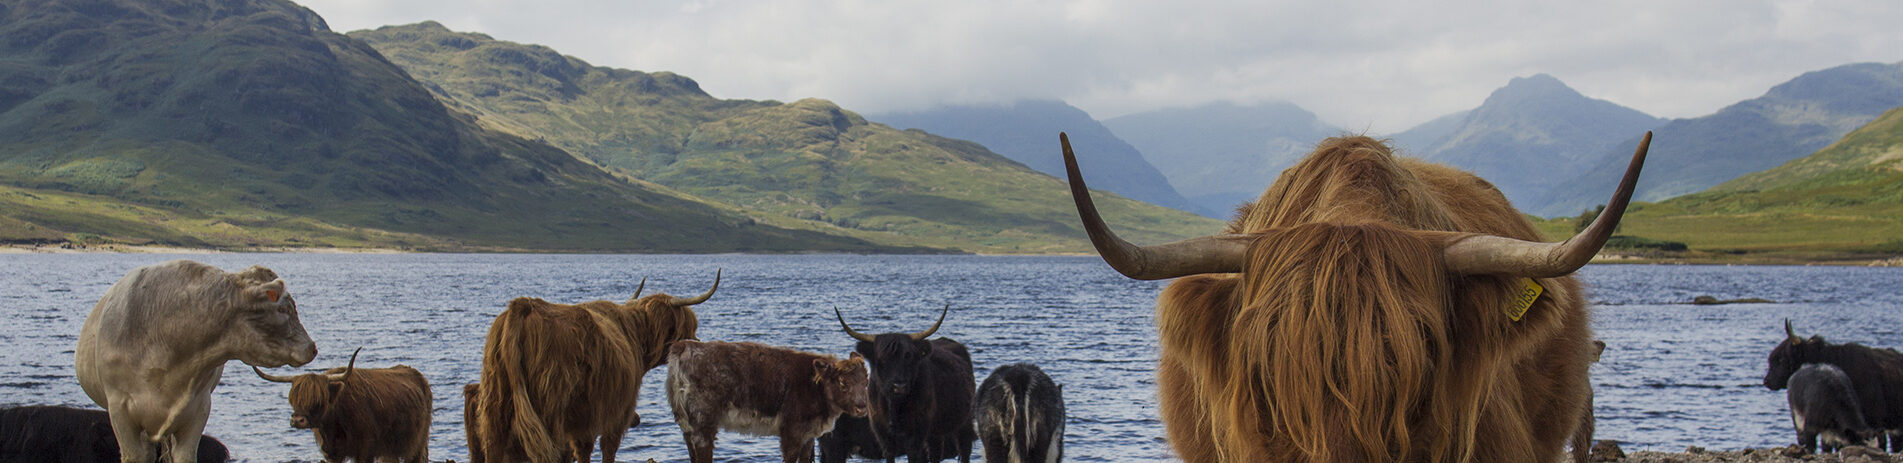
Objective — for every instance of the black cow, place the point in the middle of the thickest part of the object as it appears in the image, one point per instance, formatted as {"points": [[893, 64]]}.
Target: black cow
{"points": [[1824, 404], [921, 392], [851, 435], [1875, 374], [50, 434], [1021, 415]]}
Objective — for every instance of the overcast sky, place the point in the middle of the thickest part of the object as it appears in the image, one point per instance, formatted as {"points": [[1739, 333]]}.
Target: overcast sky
{"points": [[1375, 66]]}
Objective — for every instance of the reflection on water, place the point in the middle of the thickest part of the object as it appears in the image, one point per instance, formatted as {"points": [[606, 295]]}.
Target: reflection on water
{"points": [[1672, 375]]}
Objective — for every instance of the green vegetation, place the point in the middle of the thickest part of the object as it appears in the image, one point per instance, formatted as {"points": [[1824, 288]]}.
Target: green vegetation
{"points": [[248, 123], [1844, 202], [807, 165]]}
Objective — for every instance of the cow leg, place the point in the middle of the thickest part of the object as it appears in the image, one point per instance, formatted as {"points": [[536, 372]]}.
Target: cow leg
{"points": [[583, 448], [611, 443], [132, 449], [1807, 440], [793, 449], [700, 444]]}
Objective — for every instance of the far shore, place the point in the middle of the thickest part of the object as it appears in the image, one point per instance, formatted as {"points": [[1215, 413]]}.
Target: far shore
{"points": [[1691, 258]]}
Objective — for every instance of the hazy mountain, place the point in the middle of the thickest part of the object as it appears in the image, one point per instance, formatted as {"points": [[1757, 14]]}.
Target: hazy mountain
{"points": [[250, 122], [1533, 133], [1421, 138], [1026, 132], [1793, 119], [808, 164], [1220, 154]]}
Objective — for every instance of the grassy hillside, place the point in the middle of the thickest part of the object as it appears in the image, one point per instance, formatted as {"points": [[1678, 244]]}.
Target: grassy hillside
{"points": [[1842, 202], [808, 162], [251, 116]]}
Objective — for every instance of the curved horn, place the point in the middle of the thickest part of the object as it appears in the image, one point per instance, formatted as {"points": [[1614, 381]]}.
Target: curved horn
{"points": [[637, 290], [348, 369], [1486, 254], [1209, 254], [920, 336], [854, 333], [270, 377], [677, 302], [1787, 330]]}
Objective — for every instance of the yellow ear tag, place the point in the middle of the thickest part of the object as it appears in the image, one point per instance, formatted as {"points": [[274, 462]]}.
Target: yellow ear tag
{"points": [[1529, 292]]}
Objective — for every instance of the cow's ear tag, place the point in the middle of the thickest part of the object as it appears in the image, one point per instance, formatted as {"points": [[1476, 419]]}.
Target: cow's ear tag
{"points": [[1523, 299]]}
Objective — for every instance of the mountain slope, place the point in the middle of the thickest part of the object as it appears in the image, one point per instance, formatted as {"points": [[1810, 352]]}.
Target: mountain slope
{"points": [[1791, 120], [1220, 154], [251, 113], [1535, 132], [1026, 132], [1847, 197], [808, 161], [1419, 139]]}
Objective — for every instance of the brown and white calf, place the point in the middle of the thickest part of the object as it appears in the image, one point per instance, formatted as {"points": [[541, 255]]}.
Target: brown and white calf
{"points": [[761, 390]]}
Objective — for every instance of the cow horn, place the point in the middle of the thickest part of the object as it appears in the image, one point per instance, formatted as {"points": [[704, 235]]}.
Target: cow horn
{"points": [[854, 333], [677, 302], [348, 369], [270, 377], [920, 336], [1209, 254], [1787, 330], [1486, 254], [637, 290]]}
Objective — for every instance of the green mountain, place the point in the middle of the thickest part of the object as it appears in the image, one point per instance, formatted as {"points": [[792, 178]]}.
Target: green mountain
{"points": [[248, 122], [807, 164], [1845, 198]]}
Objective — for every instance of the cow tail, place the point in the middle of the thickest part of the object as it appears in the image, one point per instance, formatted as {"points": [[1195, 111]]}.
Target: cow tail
{"points": [[506, 347]]}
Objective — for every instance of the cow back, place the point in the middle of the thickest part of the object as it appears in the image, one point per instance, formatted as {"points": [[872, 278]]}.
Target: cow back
{"points": [[1020, 415], [54, 434]]}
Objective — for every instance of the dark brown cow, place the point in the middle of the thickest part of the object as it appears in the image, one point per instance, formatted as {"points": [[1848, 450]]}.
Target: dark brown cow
{"points": [[558, 374], [1875, 374], [1366, 308], [362, 413], [760, 390]]}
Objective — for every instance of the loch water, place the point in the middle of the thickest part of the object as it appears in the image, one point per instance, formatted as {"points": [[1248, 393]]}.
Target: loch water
{"points": [[1673, 375]]}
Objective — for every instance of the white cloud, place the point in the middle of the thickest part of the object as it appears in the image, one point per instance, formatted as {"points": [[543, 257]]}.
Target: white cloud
{"points": [[1382, 66]]}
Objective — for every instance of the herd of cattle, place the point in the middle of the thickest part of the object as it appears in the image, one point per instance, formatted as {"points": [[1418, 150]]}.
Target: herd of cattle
{"points": [[1366, 307]]}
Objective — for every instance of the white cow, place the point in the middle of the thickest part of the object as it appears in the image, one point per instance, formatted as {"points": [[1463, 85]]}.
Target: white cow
{"points": [[156, 344]]}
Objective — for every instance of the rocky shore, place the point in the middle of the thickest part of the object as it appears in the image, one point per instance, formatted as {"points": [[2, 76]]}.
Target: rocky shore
{"points": [[1855, 454]]}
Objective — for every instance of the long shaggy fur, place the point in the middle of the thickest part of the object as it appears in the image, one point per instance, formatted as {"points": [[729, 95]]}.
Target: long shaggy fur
{"points": [[555, 374], [1346, 339], [375, 412]]}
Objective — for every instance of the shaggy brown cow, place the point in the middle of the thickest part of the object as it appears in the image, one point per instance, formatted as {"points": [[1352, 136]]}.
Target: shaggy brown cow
{"points": [[470, 430], [555, 374], [1367, 308], [761, 390], [362, 413]]}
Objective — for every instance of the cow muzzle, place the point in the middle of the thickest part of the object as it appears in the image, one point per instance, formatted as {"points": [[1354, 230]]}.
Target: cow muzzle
{"points": [[300, 422]]}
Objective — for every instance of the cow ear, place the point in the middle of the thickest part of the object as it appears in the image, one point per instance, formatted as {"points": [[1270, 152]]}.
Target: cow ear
{"points": [[855, 356], [271, 292], [822, 366]]}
